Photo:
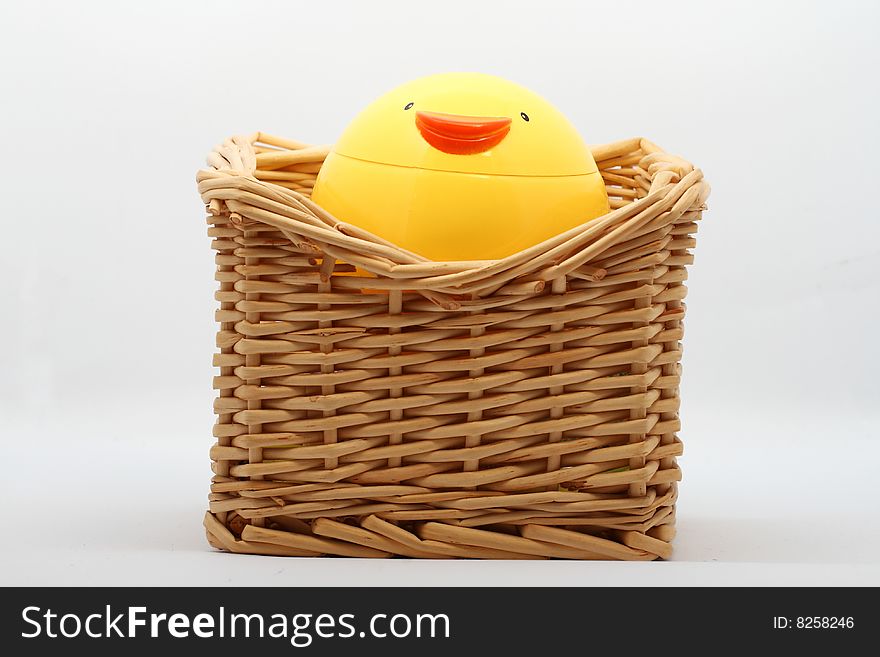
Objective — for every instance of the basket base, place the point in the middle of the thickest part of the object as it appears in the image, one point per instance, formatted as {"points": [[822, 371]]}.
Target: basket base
{"points": [[377, 538]]}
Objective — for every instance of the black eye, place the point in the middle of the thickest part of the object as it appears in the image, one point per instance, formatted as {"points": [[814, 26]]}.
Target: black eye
{"points": [[408, 106], [525, 117]]}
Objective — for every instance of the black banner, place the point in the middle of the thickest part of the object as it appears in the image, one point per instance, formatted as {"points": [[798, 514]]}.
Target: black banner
{"points": [[420, 621]]}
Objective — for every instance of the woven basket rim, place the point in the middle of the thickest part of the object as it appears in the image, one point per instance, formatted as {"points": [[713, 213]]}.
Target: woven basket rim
{"points": [[674, 186]]}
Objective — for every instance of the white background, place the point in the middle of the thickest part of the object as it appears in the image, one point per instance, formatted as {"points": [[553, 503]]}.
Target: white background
{"points": [[106, 296]]}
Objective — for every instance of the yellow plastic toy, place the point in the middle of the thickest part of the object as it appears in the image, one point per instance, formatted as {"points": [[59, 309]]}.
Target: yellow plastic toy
{"points": [[461, 166]]}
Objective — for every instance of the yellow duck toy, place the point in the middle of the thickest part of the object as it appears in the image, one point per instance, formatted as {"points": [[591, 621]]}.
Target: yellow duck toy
{"points": [[461, 166]]}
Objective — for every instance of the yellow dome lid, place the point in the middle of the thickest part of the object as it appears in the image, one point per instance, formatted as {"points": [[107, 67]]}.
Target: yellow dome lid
{"points": [[468, 123]]}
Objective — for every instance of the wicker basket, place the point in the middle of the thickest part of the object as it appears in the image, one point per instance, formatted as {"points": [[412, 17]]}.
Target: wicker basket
{"points": [[520, 408]]}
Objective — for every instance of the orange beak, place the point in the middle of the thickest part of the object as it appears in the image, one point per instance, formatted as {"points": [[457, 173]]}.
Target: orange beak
{"points": [[461, 135]]}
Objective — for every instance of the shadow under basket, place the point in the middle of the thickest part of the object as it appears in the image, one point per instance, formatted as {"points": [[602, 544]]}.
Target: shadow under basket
{"points": [[373, 403]]}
